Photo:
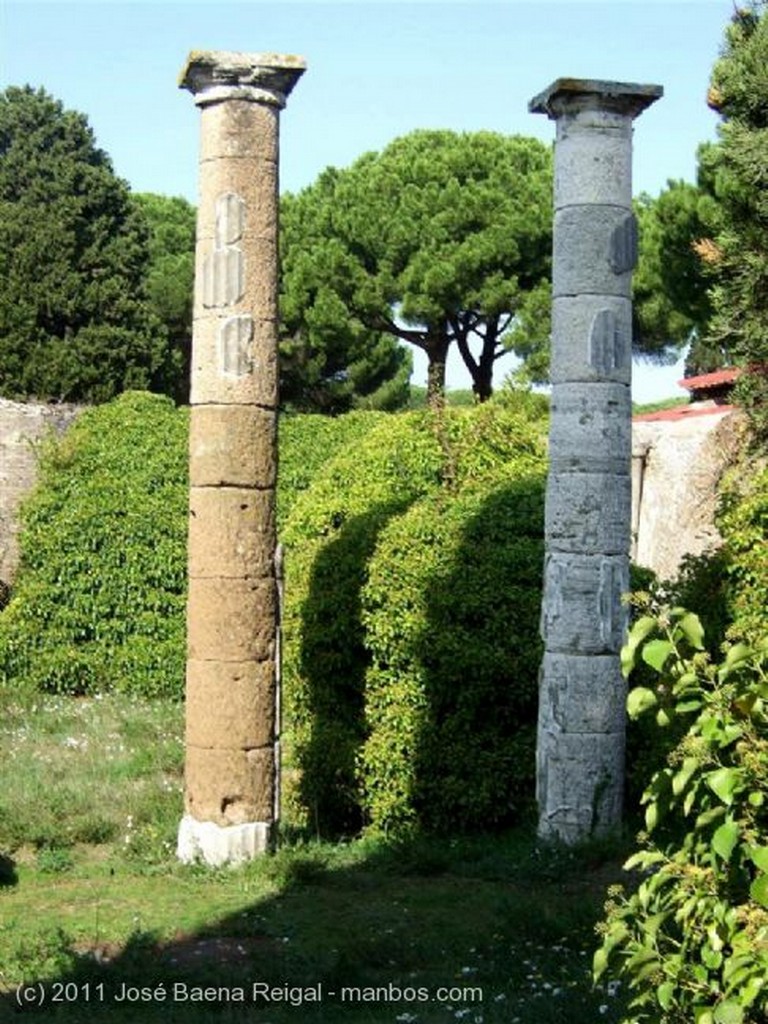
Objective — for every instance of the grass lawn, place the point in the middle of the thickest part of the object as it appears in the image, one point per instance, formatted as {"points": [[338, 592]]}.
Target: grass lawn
{"points": [[99, 921]]}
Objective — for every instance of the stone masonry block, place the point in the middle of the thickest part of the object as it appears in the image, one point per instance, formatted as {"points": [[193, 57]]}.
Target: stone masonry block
{"points": [[210, 386], [581, 694], [256, 183], [230, 705], [239, 128], [582, 611], [231, 619], [579, 784], [593, 160], [230, 787], [591, 339], [588, 513], [593, 251], [591, 428], [232, 445], [231, 533], [238, 279]]}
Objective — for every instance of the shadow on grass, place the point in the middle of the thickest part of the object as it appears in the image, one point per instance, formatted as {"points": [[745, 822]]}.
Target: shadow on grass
{"points": [[8, 874], [481, 930]]}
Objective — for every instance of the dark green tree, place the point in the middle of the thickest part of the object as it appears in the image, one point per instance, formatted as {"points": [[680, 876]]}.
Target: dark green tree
{"points": [[440, 238], [74, 323], [670, 286], [739, 169], [170, 281], [330, 361]]}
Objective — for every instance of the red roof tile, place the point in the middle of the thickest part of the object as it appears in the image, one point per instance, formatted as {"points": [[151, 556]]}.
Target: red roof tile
{"points": [[704, 381], [682, 412]]}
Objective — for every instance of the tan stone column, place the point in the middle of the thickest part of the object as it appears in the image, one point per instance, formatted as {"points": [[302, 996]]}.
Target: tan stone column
{"points": [[230, 771]]}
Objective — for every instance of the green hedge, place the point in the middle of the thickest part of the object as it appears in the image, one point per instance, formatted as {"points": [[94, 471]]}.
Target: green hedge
{"points": [[396, 559], [99, 602], [307, 442], [743, 521], [329, 538], [451, 610]]}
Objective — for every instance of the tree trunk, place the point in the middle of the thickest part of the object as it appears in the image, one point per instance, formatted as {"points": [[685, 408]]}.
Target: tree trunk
{"points": [[436, 348], [483, 381]]}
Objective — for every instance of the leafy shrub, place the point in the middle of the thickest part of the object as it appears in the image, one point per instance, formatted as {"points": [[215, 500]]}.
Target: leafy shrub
{"points": [[99, 602], [692, 939], [451, 609], [700, 586], [395, 557], [329, 538], [743, 521], [307, 442]]}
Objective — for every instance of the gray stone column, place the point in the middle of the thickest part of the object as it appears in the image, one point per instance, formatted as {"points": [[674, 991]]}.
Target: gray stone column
{"points": [[230, 770], [580, 747]]}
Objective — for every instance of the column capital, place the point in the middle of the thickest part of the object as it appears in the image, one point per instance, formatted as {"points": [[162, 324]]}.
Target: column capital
{"points": [[216, 75], [572, 95]]}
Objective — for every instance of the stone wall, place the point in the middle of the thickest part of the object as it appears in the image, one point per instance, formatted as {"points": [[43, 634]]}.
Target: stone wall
{"points": [[677, 464], [22, 426]]}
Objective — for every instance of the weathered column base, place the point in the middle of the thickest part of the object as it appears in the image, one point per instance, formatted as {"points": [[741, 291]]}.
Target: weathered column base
{"points": [[580, 784], [216, 845]]}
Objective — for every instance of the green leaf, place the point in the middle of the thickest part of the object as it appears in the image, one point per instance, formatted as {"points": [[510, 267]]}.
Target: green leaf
{"points": [[693, 631], [640, 630], [725, 838], [639, 700], [681, 779], [711, 958], [728, 1013], [759, 890], [663, 718], [707, 817], [723, 782], [643, 859], [652, 816], [599, 963], [759, 856], [656, 652], [703, 1015], [665, 994], [735, 657]]}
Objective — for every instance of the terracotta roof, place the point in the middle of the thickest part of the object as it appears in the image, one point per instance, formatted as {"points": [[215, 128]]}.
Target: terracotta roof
{"points": [[704, 381], [683, 412]]}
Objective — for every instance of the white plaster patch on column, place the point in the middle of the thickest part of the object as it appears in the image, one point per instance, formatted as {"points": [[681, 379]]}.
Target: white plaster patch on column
{"points": [[236, 346], [230, 219], [223, 277]]}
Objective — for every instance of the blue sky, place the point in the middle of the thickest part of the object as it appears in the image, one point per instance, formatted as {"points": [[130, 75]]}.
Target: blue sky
{"points": [[375, 71]]}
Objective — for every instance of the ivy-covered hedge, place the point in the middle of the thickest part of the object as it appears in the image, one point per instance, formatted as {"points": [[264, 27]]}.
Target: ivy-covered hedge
{"points": [[307, 442], [416, 556], [743, 522], [99, 601], [451, 610]]}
